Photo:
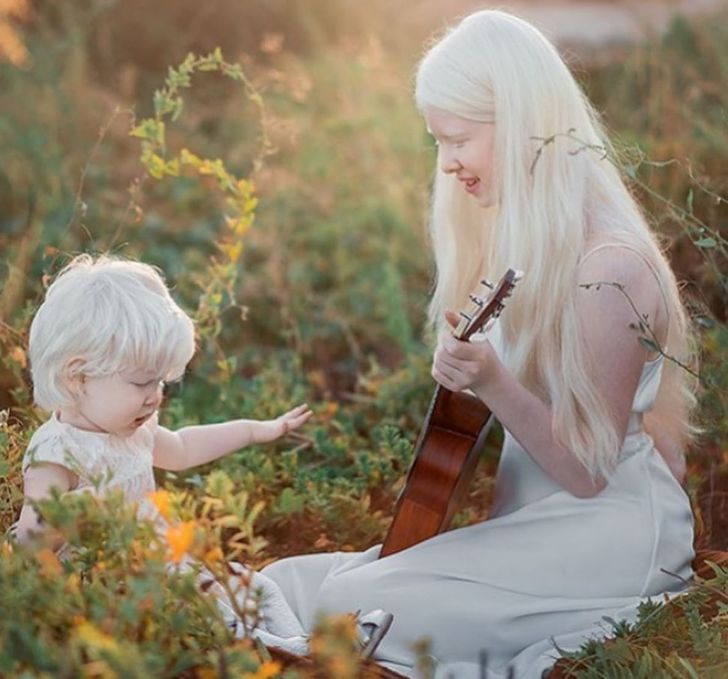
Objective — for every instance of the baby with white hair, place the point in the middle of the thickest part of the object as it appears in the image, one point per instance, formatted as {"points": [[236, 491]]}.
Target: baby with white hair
{"points": [[104, 342]]}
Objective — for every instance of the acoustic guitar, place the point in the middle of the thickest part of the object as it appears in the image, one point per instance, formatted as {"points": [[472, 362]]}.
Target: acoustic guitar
{"points": [[450, 441]]}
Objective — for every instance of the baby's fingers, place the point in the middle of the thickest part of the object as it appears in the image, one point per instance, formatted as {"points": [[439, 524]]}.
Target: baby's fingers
{"points": [[296, 417], [298, 410]]}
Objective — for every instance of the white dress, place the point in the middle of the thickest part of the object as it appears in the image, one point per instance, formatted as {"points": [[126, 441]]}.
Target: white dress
{"points": [[545, 569]]}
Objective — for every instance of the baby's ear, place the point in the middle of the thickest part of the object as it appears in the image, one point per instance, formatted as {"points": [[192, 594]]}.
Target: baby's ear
{"points": [[74, 375]]}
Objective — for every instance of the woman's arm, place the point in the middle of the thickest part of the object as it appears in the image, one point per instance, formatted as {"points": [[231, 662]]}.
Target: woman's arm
{"points": [[616, 359], [193, 446], [668, 443]]}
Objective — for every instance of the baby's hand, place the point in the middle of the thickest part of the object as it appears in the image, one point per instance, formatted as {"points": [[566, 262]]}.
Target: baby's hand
{"points": [[282, 425]]}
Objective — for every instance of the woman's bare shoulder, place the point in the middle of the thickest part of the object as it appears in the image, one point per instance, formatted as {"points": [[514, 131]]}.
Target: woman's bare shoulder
{"points": [[623, 272]]}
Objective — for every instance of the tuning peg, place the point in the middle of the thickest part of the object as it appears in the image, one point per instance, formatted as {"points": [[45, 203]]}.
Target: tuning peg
{"points": [[466, 317], [476, 300], [487, 283]]}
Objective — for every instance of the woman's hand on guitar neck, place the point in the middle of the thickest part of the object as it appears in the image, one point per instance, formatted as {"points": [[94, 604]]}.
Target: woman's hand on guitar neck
{"points": [[459, 365]]}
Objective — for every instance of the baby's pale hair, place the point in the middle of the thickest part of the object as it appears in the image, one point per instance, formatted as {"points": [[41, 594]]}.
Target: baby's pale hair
{"points": [[112, 315]]}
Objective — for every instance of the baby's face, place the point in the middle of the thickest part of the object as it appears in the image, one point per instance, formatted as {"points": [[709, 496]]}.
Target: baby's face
{"points": [[119, 404]]}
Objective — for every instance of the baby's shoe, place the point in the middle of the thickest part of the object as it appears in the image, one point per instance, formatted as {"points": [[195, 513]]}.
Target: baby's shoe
{"points": [[297, 645], [372, 628]]}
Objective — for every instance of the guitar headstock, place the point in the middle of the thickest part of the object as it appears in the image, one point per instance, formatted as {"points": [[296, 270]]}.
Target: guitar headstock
{"points": [[486, 303]]}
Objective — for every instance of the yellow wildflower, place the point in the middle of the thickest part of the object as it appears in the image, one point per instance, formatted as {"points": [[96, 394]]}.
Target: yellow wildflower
{"points": [[95, 638], [270, 668], [50, 566], [72, 583], [213, 555], [180, 538], [232, 250], [160, 499], [206, 673], [188, 158]]}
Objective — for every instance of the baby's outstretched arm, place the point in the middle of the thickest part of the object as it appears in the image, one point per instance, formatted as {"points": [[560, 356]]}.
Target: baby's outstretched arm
{"points": [[192, 446], [38, 481]]}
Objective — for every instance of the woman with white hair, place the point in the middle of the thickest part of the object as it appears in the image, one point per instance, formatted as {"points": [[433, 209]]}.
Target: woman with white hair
{"points": [[589, 517]]}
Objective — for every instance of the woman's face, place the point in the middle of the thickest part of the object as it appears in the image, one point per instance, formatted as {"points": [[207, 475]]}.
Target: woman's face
{"points": [[465, 149]]}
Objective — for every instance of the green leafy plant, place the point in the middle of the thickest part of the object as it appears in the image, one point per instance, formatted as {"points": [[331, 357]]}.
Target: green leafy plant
{"points": [[218, 285]]}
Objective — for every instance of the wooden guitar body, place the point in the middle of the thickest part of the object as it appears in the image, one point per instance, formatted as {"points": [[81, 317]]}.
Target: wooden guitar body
{"points": [[445, 459]]}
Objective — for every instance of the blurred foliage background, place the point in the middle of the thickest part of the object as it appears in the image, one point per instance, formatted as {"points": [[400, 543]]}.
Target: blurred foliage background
{"points": [[326, 300]]}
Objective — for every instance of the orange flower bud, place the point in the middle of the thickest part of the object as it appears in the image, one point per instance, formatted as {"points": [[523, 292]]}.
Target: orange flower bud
{"points": [[160, 499], [180, 538]]}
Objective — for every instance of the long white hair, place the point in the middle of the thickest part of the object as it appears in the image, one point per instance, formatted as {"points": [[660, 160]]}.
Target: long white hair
{"points": [[552, 183]]}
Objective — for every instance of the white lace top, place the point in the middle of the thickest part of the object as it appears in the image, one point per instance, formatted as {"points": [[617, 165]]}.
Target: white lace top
{"points": [[100, 461]]}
